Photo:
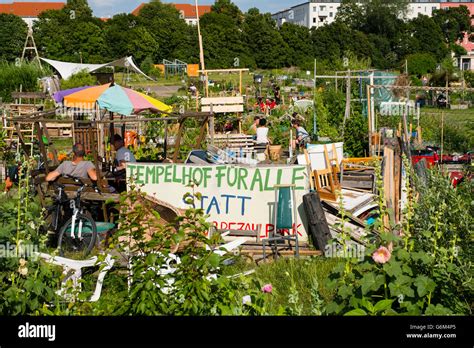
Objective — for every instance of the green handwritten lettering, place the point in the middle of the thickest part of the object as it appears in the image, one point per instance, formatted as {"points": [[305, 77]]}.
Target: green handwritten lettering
{"points": [[168, 173], [257, 179], [220, 174], [150, 171], [243, 173], [140, 172], [197, 176], [296, 178], [229, 182], [175, 178], [159, 172]]}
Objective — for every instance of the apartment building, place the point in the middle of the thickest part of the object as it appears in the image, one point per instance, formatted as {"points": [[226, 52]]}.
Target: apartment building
{"points": [[186, 11], [29, 11]]}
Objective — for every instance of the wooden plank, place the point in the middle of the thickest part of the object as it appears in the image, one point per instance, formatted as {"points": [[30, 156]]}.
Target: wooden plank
{"points": [[202, 133], [223, 108], [178, 140], [222, 101], [29, 95]]}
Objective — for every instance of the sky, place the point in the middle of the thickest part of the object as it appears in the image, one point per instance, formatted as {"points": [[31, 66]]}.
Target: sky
{"points": [[106, 8]]}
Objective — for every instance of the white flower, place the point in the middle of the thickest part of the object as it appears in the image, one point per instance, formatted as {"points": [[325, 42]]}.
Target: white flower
{"points": [[246, 300], [23, 271]]}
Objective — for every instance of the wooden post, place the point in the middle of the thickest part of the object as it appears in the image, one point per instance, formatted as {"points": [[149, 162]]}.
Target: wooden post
{"points": [[94, 154], [211, 125], [308, 166], [39, 136], [369, 118], [442, 135], [389, 185], [202, 133], [44, 127], [165, 142], [347, 113], [178, 140], [240, 84]]}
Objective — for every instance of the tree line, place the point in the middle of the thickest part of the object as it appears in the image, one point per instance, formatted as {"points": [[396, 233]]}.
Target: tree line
{"points": [[371, 31]]}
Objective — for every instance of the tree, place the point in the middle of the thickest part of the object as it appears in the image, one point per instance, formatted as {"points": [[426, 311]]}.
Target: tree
{"points": [[228, 8], [298, 39], [428, 36], [169, 31], [351, 13], [332, 41], [223, 42], [71, 33], [126, 37], [420, 64], [264, 40], [13, 32], [454, 22]]}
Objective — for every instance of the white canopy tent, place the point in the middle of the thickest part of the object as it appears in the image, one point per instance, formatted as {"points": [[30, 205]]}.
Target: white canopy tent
{"points": [[66, 70]]}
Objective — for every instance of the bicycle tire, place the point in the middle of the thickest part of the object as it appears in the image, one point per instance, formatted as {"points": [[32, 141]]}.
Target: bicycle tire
{"points": [[78, 246]]}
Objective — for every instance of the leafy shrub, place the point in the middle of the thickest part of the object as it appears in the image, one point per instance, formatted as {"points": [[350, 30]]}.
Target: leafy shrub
{"points": [[82, 78], [426, 269], [13, 76]]}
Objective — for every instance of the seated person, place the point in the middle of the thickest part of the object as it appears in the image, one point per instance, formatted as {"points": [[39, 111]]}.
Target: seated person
{"points": [[253, 127], [262, 133], [260, 105], [271, 104], [123, 155], [302, 136], [12, 176], [77, 167]]}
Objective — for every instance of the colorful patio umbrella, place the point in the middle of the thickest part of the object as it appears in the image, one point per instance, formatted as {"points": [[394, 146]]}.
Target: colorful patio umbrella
{"points": [[115, 98], [59, 96]]}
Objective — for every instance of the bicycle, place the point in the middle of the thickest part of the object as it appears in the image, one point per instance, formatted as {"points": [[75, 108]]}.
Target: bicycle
{"points": [[79, 232]]}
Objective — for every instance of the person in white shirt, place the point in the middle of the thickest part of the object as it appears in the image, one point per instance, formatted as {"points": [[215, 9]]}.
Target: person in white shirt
{"points": [[262, 132]]}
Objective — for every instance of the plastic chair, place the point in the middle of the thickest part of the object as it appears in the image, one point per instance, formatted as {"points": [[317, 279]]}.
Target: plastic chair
{"points": [[285, 218]]}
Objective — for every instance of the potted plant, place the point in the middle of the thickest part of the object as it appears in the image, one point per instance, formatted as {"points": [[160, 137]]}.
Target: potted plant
{"points": [[279, 138]]}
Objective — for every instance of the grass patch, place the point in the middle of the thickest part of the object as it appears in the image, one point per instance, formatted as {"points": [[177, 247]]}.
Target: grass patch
{"points": [[283, 272]]}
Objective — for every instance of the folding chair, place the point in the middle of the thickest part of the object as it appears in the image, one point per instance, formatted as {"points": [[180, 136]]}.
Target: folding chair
{"points": [[285, 217]]}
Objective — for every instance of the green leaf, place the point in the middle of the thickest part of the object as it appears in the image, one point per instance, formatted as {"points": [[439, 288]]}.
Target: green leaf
{"points": [[383, 305], [403, 255], [393, 269], [370, 282], [344, 291], [437, 310], [424, 285], [214, 260], [356, 312]]}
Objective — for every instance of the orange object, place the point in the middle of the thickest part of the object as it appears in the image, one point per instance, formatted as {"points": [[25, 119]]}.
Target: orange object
{"points": [[61, 157], [8, 184], [131, 138], [50, 156], [193, 70]]}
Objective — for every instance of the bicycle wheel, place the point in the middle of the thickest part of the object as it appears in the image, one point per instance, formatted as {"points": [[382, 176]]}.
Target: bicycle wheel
{"points": [[78, 239]]}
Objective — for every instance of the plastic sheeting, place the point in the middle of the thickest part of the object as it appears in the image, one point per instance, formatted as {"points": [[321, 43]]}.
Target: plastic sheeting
{"points": [[66, 70]]}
